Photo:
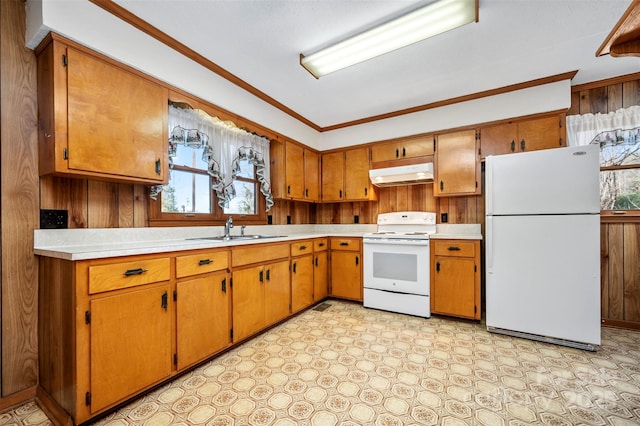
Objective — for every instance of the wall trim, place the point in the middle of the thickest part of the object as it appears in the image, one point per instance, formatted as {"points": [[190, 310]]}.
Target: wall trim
{"points": [[606, 82]]}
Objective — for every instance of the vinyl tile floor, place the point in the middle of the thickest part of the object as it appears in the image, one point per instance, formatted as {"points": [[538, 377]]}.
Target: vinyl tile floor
{"points": [[348, 365]]}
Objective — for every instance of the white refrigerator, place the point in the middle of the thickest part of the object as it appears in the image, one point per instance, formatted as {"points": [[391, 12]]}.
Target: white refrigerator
{"points": [[543, 245]]}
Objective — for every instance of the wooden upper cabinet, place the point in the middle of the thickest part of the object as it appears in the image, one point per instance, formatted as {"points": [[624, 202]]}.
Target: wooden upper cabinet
{"points": [[311, 176], [457, 164], [345, 176], [295, 172], [333, 176], [407, 148], [98, 119], [520, 136]]}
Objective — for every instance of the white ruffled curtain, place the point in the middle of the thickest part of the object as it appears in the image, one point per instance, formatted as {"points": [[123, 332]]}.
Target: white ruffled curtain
{"points": [[224, 146], [587, 128]]}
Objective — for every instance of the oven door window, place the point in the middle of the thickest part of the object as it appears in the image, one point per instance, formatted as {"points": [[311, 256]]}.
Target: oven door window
{"points": [[397, 268]]}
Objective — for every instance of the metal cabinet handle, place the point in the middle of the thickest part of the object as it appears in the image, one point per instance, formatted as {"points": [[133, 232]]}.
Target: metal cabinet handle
{"points": [[404, 152], [438, 267], [321, 245], [316, 260], [288, 189], [261, 276], [303, 247], [522, 145], [224, 285], [341, 193], [164, 300], [131, 272], [441, 185], [344, 243], [397, 153], [294, 267], [357, 260], [205, 262], [513, 146], [158, 170], [268, 274], [453, 248]]}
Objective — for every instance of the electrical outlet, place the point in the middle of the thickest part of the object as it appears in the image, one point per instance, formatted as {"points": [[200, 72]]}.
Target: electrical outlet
{"points": [[444, 217], [288, 220], [356, 219], [54, 219]]}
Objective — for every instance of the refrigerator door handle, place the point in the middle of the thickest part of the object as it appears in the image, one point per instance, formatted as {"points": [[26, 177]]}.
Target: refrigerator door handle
{"points": [[489, 185], [489, 245]]}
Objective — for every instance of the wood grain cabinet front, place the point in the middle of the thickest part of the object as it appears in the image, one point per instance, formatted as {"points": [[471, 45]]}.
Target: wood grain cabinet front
{"points": [[99, 119], [403, 149], [346, 268], [455, 278], [457, 164], [345, 176], [295, 172], [261, 287], [526, 135]]}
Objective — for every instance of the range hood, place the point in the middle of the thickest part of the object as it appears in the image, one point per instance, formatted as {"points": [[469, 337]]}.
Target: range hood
{"points": [[413, 174]]}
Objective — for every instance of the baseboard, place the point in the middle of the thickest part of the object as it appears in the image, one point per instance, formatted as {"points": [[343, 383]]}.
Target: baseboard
{"points": [[53, 410], [15, 399]]}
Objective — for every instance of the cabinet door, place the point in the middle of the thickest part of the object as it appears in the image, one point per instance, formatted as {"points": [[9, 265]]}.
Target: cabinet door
{"points": [[346, 276], [499, 139], [248, 302], [311, 176], [277, 292], [454, 288], [333, 176], [320, 276], [277, 163], [301, 282], [357, 183], [130, 344], [117, 121], [541, 133], [295, 171], [456, 164], [203, 322]]}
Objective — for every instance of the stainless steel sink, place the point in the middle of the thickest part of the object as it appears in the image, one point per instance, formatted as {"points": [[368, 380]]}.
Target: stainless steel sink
{"points": [[238, 237]]}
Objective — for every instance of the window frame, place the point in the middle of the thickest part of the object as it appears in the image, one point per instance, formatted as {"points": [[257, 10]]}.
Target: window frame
{"points": [[614, 216], [217, 216]]}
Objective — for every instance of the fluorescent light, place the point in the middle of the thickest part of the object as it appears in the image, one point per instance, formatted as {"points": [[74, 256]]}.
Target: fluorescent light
{"points": [[433, 19]]}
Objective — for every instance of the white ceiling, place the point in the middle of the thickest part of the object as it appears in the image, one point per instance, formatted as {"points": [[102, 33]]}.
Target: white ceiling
{"points": [[514, 41]]}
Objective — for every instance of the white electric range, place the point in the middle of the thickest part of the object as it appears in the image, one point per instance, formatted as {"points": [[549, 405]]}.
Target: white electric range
{"points": [[396, 263]]}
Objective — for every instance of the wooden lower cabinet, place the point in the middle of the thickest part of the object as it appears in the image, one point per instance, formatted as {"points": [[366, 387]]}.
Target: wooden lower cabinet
{"points": [[130, 345], [320, 276], [203, 317], [346, 268], [455, 278], [261, 297], [302, 272]]}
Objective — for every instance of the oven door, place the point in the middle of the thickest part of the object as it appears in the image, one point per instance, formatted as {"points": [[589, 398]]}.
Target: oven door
{"points": [[400, 266]]}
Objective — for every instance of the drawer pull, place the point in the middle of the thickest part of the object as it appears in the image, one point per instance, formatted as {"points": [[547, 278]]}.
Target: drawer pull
{"points": [[321, 245], [344, 243], [454, 248], [303, 247], [205, 262], [131, 272]]}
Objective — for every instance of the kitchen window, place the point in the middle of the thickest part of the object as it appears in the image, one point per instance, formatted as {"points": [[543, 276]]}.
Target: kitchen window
{"points": [[618, 135], [216, 170]]}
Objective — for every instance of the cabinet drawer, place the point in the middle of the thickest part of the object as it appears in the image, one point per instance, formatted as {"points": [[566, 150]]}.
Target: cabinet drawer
{"points": [[258, 253], [301, 247], [345, 244], [455, 248], [201, 263], [127, 274], [320, 244]]}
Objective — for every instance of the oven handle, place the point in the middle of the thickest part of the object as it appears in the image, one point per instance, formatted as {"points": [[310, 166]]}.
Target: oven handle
{"points": [[395, 242]]}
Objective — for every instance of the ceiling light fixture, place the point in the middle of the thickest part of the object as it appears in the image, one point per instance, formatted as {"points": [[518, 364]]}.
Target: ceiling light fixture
{"points": [[430, 20]]}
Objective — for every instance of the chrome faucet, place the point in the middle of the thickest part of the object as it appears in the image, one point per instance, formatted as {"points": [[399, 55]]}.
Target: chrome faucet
{"points": [[227, 228]]}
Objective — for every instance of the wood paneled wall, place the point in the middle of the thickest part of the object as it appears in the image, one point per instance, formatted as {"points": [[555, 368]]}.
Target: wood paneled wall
{"points": [[19, 208], [95, 204], [619, 242]]}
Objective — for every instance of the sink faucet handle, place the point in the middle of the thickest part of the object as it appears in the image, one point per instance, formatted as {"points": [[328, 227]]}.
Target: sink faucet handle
{"points": [[230, 222]]}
